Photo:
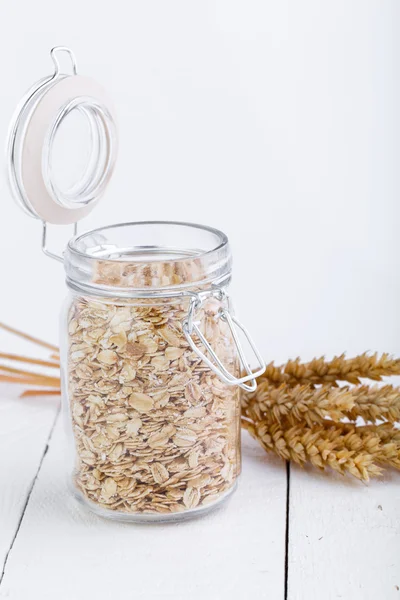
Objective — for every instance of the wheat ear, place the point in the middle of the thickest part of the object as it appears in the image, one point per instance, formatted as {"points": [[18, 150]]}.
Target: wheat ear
{"points": [[320, 447], [340, 368], [305, 403]]}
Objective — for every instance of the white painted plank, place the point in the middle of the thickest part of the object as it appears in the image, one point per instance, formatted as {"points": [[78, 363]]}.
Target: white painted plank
{"points": [[24, 429], [64, 552], [25, 425], [344, 537]]}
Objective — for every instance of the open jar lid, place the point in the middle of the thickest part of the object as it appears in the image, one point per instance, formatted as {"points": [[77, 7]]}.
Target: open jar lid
{"points": [[32, 134]]}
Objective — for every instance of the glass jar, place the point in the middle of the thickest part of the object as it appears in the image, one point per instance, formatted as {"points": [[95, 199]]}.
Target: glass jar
{"points": [[151, 358], [155, 430]]}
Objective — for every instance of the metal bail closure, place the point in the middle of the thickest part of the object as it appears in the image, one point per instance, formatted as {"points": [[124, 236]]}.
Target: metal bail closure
{"points": [[191, 326]]}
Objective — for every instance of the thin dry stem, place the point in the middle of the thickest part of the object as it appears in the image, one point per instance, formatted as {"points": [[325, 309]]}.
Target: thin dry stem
{"points": [[41, 380], [22, 372], [29, 360], [28, 393], [30, 338]]}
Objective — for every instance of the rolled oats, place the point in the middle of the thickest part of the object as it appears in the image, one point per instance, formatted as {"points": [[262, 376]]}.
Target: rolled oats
{"points": [[156, 430]]}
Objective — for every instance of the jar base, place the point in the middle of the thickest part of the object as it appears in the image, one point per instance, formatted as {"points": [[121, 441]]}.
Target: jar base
{"points": [[123, 517]]}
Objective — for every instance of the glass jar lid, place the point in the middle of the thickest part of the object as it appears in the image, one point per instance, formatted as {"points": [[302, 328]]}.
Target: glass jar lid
{"points": [[32, 135]]}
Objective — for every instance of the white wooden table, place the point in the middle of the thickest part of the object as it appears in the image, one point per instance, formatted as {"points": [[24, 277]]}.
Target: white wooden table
{"points": [[286, 533]]}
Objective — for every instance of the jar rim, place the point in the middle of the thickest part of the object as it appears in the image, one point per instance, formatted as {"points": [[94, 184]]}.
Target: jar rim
{"points": [[78, 238], [139, 258]]}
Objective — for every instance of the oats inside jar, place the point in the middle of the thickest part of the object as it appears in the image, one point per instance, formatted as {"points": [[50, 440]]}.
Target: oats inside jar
{"points": [[155, 429]]}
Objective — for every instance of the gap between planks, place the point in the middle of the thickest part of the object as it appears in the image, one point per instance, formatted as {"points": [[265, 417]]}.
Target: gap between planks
{"points": [[28, 496], [287, 531]]}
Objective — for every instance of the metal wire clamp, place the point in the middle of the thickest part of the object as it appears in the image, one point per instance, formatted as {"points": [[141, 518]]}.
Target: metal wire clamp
{"points": [[191, 326]]}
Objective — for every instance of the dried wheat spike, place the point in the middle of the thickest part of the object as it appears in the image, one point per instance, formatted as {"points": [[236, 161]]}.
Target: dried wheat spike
{"points": [[375, 403], [386, 431], [379, 442], [382, 440], [299, 403], [317, 445], [320, 371], [306, 403]]}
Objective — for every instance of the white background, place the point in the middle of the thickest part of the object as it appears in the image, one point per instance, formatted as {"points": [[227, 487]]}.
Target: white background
{"points": [[275, 121]]}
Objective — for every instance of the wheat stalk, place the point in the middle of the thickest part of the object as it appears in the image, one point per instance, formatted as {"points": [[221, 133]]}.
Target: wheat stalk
{"points": [[34, 379], [300, 403], [304, 403], [316, 445], [15, 375], [342, 447], [381, 441], [386, 431], [29, 360], [340, 368], [30, 338], [40, 392]]}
